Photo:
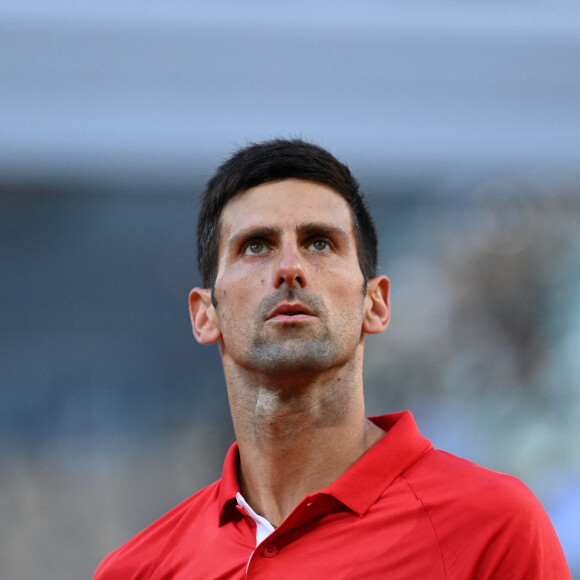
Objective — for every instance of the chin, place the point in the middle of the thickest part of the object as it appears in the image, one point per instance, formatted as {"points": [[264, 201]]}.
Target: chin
{"points": [[314, 356]]}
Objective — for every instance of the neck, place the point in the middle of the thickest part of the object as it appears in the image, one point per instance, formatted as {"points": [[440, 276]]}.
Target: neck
{"points": [[297, 434]]}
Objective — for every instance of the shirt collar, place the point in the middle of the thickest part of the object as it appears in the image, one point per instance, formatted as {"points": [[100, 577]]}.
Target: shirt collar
{"points": [[229, 486], [358, 487]]}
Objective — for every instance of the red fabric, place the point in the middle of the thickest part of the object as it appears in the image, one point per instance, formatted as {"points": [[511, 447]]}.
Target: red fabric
{"points": [[402, 511]]}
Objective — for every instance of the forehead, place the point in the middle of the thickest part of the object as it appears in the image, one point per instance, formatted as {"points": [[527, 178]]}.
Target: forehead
{"points": [[287, 203]]}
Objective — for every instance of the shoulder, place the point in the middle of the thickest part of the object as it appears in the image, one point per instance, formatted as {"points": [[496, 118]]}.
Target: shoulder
{"points": [[442, 477], [485, 520], [136, 558], [446, 484]]}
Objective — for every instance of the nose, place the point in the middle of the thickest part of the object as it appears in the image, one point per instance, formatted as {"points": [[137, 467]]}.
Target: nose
{"points": [[289, 270]]}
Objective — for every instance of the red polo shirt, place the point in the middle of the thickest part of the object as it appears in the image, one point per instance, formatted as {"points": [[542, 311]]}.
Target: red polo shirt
{"points": [[404, 511]]}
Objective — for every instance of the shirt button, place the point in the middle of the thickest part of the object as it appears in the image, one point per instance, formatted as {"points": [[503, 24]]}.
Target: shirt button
{"points": [[270, 551]]}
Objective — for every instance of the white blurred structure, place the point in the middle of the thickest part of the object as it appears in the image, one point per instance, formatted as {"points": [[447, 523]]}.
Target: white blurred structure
{"points": [[141, 88]]}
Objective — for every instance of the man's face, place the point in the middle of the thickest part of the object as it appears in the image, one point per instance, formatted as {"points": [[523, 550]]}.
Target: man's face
{"points": [[289, 290]]}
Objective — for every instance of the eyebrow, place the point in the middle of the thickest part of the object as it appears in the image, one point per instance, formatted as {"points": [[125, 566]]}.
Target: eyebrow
{"points": [[253, 232], [321, 229], [305, 229]]}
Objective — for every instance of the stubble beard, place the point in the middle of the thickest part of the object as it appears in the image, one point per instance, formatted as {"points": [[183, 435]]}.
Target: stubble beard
{"points": [[293, 354], [295, 348]]}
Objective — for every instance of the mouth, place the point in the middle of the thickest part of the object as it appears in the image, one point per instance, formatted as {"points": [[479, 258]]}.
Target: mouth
{"points": [[290, 313]]}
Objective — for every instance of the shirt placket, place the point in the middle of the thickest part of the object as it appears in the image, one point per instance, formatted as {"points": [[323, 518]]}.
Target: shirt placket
{"points": [[311, 508]]}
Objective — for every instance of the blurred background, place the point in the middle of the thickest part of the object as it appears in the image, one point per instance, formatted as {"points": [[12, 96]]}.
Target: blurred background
{"points": [[461, 121]]}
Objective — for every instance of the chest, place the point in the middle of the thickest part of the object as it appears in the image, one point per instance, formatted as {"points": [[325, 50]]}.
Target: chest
{"points": [[393, 539]]}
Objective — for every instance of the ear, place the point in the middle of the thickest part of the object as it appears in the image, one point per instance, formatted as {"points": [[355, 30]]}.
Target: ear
{"points": [[377, 305], [203, 316]]}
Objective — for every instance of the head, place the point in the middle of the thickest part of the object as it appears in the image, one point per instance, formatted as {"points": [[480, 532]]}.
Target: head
{"points": [[272, 161]]}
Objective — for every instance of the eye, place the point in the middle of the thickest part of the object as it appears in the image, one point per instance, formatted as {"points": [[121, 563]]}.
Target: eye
{"points": [[320, 245], [255, 248]]}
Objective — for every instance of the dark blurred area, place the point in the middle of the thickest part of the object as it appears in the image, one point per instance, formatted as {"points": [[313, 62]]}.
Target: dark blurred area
{"points": [[462, 125]]}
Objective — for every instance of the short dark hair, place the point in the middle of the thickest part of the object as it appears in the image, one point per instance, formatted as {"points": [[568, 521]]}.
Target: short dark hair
{"points": [[275, 160]]}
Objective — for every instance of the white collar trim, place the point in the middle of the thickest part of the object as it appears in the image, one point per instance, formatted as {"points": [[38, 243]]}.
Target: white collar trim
{"points": [[263, 527]]}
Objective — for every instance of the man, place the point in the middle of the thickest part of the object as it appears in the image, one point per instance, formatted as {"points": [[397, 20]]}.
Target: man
{"points": [[312, 489]]}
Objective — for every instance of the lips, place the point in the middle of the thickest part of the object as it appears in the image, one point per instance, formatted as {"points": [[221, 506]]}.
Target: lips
{"points": [[290, 313]]}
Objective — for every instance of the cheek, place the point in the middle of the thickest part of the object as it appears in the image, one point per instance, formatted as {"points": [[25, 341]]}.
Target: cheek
{"points": [[349, 303], [237, 301]]}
